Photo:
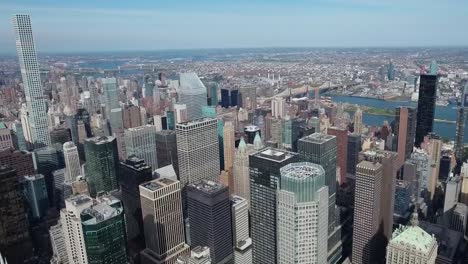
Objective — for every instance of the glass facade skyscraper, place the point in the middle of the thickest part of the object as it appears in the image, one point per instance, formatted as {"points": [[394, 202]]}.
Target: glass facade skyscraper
{"points": [[193, 94], [102, 161], [265, 175], [426, 107], [104, 231]]}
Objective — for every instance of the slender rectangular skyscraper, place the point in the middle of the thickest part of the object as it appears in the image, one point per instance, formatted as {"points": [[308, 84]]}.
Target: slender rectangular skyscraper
{"points": [[198, 151], [36, 102], [209, 211], [367, 212], [240, 230], [161, 204], [72, 161], [265, 175], [102, 162], [426, 107], [133, 172], [193, 94], [405, 129], [141, 142], [166, 143], [321, 149]]}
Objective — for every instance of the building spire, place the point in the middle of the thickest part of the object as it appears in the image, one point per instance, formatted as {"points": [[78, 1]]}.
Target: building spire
{"points": [[258, 141], [415, 217]]}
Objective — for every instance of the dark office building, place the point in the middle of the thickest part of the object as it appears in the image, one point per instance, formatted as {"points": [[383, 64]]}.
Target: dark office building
{"points": [[133, 172], [20, 161], [209, 210], [166, 144], [59, 135], [168, 122], [354, 147], [426, 107], [298, 127], [404, 132], [102, 161], [14, 235], [250, 132], [229, 97], [444, 169], [322, 149], [48, 160], [264, 173]]}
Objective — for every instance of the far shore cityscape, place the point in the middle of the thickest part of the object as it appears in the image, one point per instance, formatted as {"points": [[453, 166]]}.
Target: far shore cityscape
{"points": [[233, 156]]}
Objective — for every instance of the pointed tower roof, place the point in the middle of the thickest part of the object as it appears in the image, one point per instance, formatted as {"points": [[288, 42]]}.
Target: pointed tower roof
{"points": [[242, 148], [258, 141]]}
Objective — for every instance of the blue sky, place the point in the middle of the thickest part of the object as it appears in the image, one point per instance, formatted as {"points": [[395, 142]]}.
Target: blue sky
{"points": [[108, 25]]}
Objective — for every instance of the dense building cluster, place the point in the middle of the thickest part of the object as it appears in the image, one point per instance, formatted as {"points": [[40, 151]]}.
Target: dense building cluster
{"points": [[170, 167]]}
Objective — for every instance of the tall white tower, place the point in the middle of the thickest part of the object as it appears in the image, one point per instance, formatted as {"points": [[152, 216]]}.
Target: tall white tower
{"points": [[72, 228], [36, 102], [302, 214], [72, 161]]}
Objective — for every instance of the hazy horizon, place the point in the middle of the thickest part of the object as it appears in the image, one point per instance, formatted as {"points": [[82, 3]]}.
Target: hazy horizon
{"points": [[121, 26]]}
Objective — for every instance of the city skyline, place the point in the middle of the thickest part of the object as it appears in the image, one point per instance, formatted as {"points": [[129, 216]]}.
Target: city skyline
{"points": [[67, 27]]}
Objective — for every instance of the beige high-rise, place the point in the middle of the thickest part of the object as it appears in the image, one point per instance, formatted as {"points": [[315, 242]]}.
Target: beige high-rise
{"points": [[368, 193], [161, 205], [229, 145]]}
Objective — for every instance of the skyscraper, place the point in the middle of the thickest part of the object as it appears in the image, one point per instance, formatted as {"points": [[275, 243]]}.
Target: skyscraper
{"points": [[388, 159], [426, 107], [228, 145], [72, 161], [35, 194], [103, 226], [411, 245], [265, 175], [193, 94], [405, 128], [278, 107], [72, 228], [13, 223], [180, 113], [420, 158], [321, 149], [241, 171], [111, 94], [198, 151], [357, 121], [57, 242], [36, 102], [209, 210], [240, 230], [166, 144], [302, 214], [368, 192], [354, 146], [133, 172], [341, 135], [161, 204], [101, 164], [141, 142]]}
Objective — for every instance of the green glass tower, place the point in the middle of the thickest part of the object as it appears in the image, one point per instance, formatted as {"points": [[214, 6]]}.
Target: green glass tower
{"points": [[102, 161], [104, 231]]}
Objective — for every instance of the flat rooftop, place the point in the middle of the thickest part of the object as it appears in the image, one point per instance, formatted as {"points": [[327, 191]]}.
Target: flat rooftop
{"points": [[317, 138], [79, 199], [369, 165], [237, 199], [207, 186], [274, 154], [196, 122], [157, 184], [100, 140]]}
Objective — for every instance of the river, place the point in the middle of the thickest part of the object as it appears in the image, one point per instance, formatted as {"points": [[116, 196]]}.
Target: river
{"points": [[444, 130]]}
